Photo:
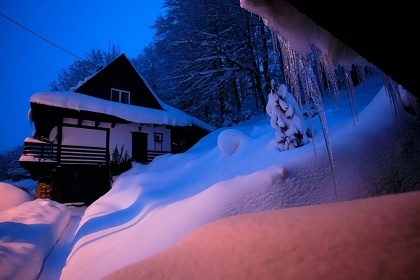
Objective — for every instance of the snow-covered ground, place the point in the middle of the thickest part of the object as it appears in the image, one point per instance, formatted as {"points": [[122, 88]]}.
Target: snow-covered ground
{"points": [[233, 171]]}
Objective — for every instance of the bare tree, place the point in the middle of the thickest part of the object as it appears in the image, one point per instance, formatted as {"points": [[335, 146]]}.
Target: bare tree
{"points": [[96, 59], [213, 57]]}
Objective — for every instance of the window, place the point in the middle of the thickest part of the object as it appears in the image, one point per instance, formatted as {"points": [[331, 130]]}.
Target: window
{"points": [[158, 137], [122, 96]]}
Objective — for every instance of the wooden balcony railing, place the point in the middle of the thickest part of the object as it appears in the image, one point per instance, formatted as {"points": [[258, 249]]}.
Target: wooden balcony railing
{"points": [[67, 154]]}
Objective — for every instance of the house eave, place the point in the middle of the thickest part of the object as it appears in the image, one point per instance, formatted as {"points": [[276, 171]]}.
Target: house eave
{"points": [[80, 104]]}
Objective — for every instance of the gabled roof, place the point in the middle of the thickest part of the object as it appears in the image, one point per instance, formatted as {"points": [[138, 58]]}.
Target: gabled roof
{"points": [[120, 74], [94, 93]]}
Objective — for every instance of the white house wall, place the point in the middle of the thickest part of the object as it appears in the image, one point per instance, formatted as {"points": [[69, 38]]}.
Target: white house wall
{"points": [[83, 137], [121, 134]]}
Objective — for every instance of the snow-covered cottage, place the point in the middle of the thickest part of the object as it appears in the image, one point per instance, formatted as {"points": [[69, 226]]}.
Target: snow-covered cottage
{"points": [[77, 131]]}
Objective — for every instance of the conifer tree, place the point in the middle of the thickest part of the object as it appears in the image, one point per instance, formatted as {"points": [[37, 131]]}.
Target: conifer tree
{"points": [[286, 118]]}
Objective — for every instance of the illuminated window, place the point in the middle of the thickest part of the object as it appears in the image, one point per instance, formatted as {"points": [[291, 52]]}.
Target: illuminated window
{"points": [[121, 96]]}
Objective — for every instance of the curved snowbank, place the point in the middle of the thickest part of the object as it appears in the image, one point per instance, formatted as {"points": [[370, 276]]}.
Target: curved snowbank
{"points": [[12, 196], [372, 238], [27, 234]]}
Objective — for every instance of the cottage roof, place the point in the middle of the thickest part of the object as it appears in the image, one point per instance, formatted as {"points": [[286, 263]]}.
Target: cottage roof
{"points": [[81, 102]]}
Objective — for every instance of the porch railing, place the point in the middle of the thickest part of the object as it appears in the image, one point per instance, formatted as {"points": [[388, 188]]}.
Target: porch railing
{"points": [[69, 154], [152, 154], [66, 154]]}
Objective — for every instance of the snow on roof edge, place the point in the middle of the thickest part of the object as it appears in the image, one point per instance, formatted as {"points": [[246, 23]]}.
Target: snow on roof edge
{"points": [[132, 113]]}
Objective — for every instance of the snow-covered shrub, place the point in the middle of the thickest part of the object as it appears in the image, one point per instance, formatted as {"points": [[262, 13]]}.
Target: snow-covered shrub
{"points": [[120, 161], [286, 118]]}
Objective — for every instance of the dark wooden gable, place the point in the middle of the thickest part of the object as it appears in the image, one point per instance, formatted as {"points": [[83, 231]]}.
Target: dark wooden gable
{"points": [[122, 75]]}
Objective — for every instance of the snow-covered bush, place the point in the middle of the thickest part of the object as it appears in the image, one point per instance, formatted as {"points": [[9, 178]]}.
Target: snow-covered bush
{"points": [[120, 161], [286, 118]]}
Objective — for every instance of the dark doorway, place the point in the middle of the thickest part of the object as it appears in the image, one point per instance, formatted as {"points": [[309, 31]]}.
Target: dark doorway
{"points": [[139, 146], [79, 183]]}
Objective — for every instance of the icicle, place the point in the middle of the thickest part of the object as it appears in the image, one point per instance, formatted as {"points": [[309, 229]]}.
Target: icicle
{"points": [[326, 70], [289, 66], [361, 74], [309, 80], [291, 69], [392, 91], [350, 94], [300, 77]]}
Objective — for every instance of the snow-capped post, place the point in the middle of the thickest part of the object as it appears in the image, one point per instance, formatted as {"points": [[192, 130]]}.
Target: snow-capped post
{"points": [[286, 118]]}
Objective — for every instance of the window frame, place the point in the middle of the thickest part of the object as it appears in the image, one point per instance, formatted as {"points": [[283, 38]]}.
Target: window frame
{"points": [[158, 137], [120, 94]]}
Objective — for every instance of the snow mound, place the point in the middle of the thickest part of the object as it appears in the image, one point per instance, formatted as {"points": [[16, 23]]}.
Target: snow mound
{"points": [[375, 241], [12, 196], [28, 232], [229, 141]]}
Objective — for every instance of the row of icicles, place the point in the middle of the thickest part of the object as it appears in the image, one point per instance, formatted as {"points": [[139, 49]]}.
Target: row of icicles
{"points": [[305, 76]]}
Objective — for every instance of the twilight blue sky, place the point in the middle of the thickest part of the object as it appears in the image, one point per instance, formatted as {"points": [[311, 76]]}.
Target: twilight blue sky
{"points": [[28, 63]]}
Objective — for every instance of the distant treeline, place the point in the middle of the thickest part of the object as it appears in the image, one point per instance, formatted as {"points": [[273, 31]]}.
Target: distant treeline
{"points": [[10, 168]]}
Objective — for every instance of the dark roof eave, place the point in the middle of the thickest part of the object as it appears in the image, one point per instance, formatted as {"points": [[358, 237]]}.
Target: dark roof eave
{"points": [[77, 114]]}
